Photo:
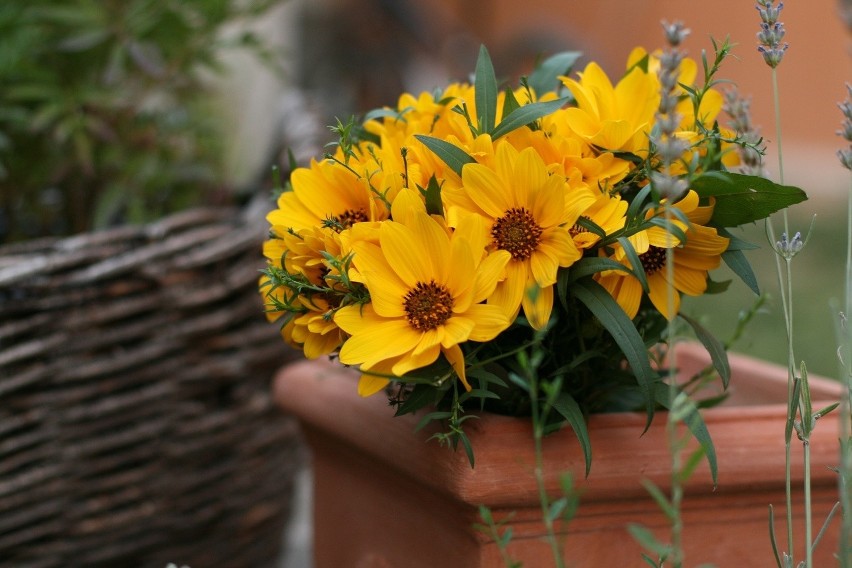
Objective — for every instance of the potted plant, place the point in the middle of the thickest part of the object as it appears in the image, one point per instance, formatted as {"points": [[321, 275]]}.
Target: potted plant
{"points": [[481, 254]]}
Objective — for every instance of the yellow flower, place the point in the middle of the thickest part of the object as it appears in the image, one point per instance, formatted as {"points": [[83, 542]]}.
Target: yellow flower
{"points": [[305, 258], [527, 216], [426, 292], [619, 118], [693, 259], [313, 330], [608, 212], [326, 194]]}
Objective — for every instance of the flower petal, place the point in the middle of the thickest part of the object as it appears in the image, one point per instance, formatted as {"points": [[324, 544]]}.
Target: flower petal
{"points": [[490, 321], [456, 358], [538, 304], [404, 253], [368, 384], [486, 189]]}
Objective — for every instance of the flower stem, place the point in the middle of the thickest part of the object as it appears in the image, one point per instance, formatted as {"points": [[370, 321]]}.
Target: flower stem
{"points": [[671, 423], [809, 553], [544, 500]]}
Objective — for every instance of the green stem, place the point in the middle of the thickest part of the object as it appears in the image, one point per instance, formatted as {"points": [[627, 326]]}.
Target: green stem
{"points": [[809, 553], [786, 302], [671, 423], [544, 500], [846, 409]]}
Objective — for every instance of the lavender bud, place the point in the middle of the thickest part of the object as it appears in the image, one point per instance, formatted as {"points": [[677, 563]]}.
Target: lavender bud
{"points": [[845, 158], [675, 32], [769, 13], [789, 249], [668, 187], [773, 55]]}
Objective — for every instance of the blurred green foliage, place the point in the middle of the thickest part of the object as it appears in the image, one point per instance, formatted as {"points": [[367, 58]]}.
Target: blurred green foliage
{"points": [[105, 111]]}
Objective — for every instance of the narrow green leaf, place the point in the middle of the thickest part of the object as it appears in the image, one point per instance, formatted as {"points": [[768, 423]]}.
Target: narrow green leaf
{"points": [[635, 262], [419, 397], [739, 265], [510, 103], [468, 448], [714, 347], [772, 539], [431, 417], [647, 539], [587, 266], [565, 405], [525, 115], [693, 420], [485, 92], [432, 195], [452, 155], [691, 463], [805, 404], [519, 381], [591, 226], [545, 77], [556, 508], [792, 405], [734, 242], [660, 498], [616, 322], [742, 199]]}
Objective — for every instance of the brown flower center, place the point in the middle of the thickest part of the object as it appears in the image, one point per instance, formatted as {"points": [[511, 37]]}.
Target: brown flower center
{"points": [[347, 219], [653, 260], [517, 232], [428, 305]]}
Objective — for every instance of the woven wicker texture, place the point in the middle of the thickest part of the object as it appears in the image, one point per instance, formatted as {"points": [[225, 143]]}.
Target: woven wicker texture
{"points": [[136, 425]]}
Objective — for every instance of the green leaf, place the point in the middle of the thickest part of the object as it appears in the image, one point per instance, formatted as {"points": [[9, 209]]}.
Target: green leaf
{"points": [[565, 405], [556, 508], [485, 92], [545, 77], [716, 349], [431, 417], [659, 498], [742, 199], [647, 539], [525, 115], [432, 195], [737, 262], [452, 155], [734, 242], [616, 322], [468, 447], [806, 405], [635, 262], [589, 265], [510, 103], [714, 287], [693, 420]]}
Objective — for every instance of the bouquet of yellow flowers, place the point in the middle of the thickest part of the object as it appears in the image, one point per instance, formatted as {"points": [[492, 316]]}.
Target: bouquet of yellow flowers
{"points": [[479, 247]]}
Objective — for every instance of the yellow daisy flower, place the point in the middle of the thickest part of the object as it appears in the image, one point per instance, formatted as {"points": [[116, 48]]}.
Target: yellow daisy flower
{"points": [[326, 194], [305, 257], [615, 118], [426, 292], [527, 216], [608, 212], [693, 259]]}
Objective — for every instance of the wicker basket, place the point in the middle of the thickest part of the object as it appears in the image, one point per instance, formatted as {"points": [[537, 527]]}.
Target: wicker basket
{"points": [[136, 426]]}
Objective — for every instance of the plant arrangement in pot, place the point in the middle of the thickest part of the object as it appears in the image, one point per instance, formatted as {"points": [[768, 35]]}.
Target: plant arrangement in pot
{"points": [[484, 252]]}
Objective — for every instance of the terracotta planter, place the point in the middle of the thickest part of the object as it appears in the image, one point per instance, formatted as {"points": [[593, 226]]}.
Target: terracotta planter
{"points": [[385, 497]]}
